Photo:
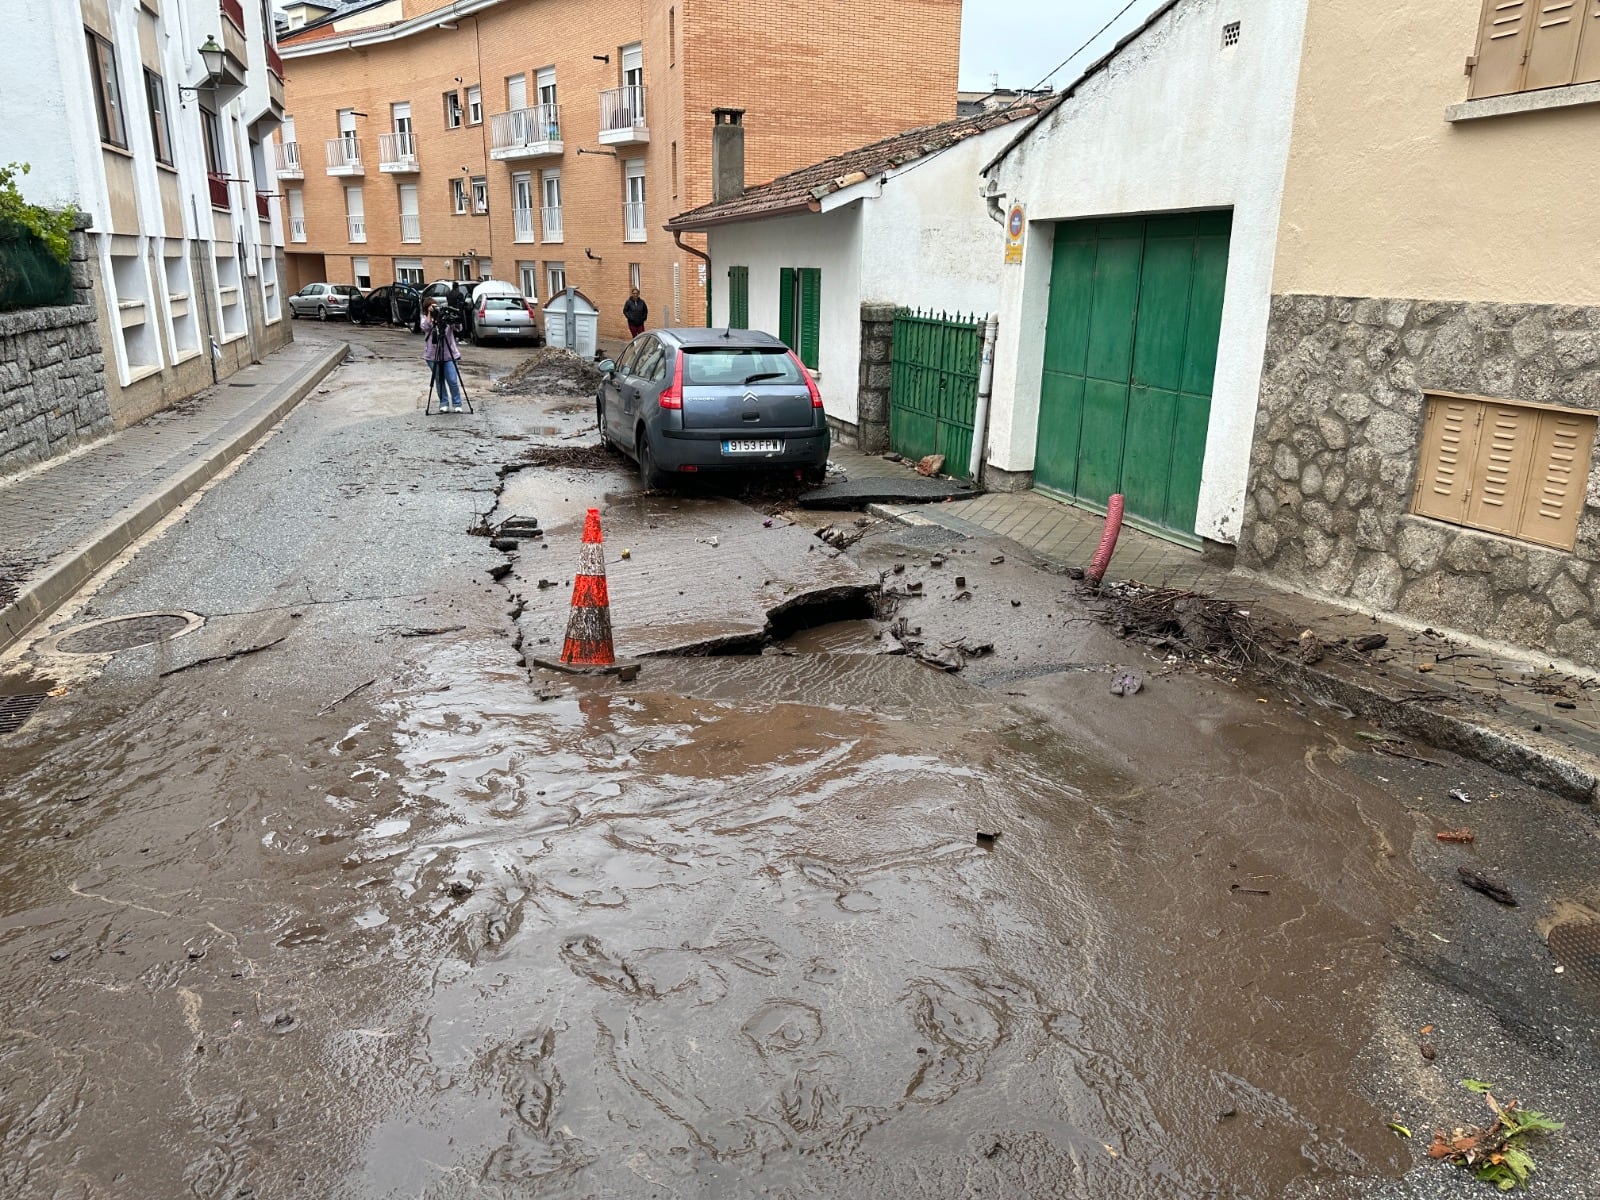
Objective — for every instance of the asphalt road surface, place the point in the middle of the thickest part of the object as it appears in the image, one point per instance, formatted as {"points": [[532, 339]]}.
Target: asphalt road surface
{"points": [[377, 908]]}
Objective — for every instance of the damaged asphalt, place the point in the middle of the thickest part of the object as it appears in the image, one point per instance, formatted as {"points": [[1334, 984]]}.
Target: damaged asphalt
{"points": [[379, 909]]}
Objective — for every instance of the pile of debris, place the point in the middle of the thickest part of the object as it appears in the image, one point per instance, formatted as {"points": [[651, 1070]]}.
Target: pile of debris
{"points": [[903, 638], [551, 371], [1187, 624], [592, 456]]}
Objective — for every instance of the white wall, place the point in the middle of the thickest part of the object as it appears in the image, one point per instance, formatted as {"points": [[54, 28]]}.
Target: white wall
{"points": [[828, 241], [1176, 123], [44, 77]]}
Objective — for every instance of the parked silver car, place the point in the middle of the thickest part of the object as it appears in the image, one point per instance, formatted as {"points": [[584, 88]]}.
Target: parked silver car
{"points": [[323, 300], [509, 316]]}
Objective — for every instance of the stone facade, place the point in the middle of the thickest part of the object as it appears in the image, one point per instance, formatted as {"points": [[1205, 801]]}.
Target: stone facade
{"points": [[1334, 459], [52, 375], [877, 351]]}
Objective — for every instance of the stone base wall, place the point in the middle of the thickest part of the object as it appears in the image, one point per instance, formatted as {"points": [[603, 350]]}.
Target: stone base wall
{"points": [[872, 395], [52, 375], [1334, 459]]}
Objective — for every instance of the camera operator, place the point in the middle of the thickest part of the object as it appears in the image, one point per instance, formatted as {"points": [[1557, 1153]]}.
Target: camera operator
{"points": [[441, 353]]}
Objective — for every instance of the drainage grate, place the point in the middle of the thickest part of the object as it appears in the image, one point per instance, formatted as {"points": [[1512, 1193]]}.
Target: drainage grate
{"points": [[1576, 946], [1230, 34], [15, 710], [125, 633]]}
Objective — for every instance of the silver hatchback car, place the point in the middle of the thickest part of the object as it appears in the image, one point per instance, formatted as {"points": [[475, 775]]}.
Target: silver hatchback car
{"points": [[323, 300], [683, 402]]}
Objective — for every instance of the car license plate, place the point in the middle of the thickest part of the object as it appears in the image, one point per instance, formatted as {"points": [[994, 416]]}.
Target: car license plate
{"points": [[753, 446]]}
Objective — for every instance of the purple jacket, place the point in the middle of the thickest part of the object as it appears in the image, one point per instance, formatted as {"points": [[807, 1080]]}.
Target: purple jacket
{"points": [[446, 342]]}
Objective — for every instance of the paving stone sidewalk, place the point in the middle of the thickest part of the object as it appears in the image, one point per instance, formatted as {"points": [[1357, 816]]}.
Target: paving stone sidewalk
{"points": [[63, 520], [1515, 711]]}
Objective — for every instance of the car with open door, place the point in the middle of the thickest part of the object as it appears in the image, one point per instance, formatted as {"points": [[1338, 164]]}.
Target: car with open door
{"points": [[392, 304], [687, 402]]}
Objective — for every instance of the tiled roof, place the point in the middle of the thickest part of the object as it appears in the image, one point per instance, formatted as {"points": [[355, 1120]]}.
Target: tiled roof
{"points": [[803, 190]]}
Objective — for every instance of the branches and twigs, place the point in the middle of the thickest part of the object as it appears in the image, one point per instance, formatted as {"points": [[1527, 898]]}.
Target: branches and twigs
{"points": [[229, 657], [1496, 1153], [1184, 623]]}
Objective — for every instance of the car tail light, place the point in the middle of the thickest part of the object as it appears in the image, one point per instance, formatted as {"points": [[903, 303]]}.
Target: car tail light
{"points": [[483, 311], [672, 397], [690, 467], [811, 384], [532, 316]]}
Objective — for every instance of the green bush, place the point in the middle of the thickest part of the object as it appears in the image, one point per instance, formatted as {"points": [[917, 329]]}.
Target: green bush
{"points": [[53, 227]]}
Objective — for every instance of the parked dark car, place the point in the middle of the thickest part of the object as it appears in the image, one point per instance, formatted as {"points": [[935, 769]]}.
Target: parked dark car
{"points": [[393, 304], [687, 401]]}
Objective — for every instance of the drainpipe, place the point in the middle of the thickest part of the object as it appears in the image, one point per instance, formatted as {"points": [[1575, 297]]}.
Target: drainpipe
{"points": [[980, 419], [677, 237]]}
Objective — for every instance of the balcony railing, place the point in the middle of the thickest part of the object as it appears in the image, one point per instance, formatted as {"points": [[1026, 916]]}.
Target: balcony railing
{"points": [[552, 223], [522, 221], [218, 185], [234, 11], [297, 229], [526, 132], [274, 59], [344, 156], [263, 206], [622, 116], [410, 227], [288, 160], [633, 221], [358, 228], [397, 153]]}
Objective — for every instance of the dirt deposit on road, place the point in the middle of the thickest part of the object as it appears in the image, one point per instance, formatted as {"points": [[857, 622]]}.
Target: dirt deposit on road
{"points": [[551, 371]]}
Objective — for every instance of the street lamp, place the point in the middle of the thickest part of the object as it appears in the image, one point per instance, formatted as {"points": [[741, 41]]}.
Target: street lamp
{"points": [[212, 55]]}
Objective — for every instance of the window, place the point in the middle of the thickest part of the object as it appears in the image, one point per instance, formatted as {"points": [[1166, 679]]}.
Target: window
{"points": [[464, 269], [528, 279], [211, 135], [160, 130], [400, 116], [652, 360], [474, 105], [408, 270], [480, 193], [738, 367], [1515, 469], [634, 274], [738, 297], [107, 91], [633, 66], [674, 173], [555, 275], [486, 268], [355, 214], [800, 311], [1526, 45], [297, 215], [547, 85], [672, 37], [550, 213], [633, 200], [452, 110], [516, 92], [361, 269], [458, 196]]}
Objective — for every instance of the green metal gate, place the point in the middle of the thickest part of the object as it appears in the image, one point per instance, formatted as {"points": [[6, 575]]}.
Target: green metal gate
{"points": [[933, 386], [1129, 354]]}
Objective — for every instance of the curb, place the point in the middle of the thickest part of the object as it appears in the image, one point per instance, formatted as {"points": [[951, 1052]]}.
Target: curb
{"points": [[47, 593]]}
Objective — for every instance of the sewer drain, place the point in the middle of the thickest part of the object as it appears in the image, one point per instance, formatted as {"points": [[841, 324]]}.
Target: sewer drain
{"points": [[1576, 946], [15, 710], [111, 634]]}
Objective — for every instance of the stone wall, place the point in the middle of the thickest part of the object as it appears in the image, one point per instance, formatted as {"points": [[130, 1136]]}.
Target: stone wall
{"points": [[872, 395], [1334, 460], [52, 375]]}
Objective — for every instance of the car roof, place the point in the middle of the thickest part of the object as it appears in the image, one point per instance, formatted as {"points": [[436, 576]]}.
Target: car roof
{"points": [[722, 338]]}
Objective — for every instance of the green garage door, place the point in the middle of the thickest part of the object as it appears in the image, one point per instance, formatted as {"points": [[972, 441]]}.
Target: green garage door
{"points": [[1130, 351]]}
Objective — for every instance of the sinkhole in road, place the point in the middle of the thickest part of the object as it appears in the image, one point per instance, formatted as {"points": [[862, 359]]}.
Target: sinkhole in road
{"points": [[820, 609]]}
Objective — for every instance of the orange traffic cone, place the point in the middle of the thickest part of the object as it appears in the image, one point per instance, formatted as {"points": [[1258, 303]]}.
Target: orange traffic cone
{"points": [[588, 641]]}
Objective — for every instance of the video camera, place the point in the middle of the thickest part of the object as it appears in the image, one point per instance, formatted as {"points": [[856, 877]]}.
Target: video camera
{"points": [[445, 314]]}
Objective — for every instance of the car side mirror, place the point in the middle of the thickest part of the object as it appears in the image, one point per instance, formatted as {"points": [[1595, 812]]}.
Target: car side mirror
{"points": [[607, 367]]}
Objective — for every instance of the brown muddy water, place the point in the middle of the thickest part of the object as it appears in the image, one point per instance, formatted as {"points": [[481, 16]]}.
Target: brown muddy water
{"points": [[726, 931]]}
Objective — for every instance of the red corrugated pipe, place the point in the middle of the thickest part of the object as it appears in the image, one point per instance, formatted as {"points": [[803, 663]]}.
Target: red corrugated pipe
{"points": [[1108, 542]]}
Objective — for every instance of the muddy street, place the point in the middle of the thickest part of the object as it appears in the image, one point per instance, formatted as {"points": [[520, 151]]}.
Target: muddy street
{"points": [[377, 907]]}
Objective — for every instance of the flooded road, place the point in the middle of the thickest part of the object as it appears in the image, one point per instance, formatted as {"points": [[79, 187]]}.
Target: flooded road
{"points": [[376, 913]]}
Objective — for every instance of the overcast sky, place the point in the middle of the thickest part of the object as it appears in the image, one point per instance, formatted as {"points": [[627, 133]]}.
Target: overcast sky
{"points": [[1023, 40]]}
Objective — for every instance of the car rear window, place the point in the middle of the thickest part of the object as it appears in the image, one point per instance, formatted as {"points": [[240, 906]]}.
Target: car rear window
{"points": [[499, 303], [345, 289], [738, 366]]}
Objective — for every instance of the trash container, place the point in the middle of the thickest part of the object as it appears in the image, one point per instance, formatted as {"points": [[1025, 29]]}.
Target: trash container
{"points": [[572, 322]]}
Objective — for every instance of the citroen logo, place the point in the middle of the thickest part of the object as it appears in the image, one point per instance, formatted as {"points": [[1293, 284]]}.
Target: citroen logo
{"points": [[750, 397]]}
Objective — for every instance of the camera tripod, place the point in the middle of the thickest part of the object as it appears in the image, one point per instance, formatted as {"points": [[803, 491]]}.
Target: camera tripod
{"points": [[436, 381]]}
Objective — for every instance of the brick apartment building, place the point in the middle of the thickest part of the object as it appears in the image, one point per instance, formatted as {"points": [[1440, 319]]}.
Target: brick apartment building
{"points": [[548, 141]]}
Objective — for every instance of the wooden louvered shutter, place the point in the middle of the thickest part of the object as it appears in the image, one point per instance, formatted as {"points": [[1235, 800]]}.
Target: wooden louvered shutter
{"points": [[1503, 40], [1505, 441], [810, 315], [1563, 445], [1449, 443], [739, 297], [1589, 44], [1553, 56], [786, 329]]}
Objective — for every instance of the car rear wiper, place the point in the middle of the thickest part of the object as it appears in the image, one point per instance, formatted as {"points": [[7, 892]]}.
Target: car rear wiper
{"points": [[760, 375]]}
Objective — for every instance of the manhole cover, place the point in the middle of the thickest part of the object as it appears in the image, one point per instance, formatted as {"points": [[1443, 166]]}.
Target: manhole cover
{"points": [[112, 634], [1576, 946], [15, 710]]}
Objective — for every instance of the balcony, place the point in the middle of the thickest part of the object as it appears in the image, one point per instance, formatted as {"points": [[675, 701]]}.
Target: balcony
{"points": [[525, 132], [410, 227], [297, 229], [218, 186], [287, 155], [358, 228], [264, 206], [633, 221], [344, 156], [397, 153], [552, 223], [274, 60], [622, 119], [236, 59], [522, 220]]}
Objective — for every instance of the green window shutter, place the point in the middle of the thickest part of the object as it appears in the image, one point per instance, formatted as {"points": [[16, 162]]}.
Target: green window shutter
{"points": [[786, 328], [810, 315], [738, 297]]}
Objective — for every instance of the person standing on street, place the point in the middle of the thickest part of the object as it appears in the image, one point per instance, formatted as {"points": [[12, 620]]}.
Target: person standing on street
{"points": [[440, 352], [635, 312]]}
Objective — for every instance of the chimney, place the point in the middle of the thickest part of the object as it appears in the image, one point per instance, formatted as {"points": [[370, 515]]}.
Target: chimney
{"points": [[727, 154]]}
